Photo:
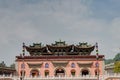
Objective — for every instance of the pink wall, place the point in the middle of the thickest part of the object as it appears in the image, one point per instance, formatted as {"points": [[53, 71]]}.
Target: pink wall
{"points": [[67, 69]]}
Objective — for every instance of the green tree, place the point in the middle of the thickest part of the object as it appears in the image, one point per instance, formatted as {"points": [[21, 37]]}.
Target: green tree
{"points": [[2, 64], [117, 67], [12, 66], [108, 61], [117, 57]]}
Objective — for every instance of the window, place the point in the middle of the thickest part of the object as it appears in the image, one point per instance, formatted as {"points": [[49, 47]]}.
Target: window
{"points": [[73, 65], [46, 65], [96, 64], [22, 66]]}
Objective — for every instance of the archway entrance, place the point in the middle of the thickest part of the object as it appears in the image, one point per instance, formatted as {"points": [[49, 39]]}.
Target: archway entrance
{"points": [[85, 72], [46, 73], [22, 72], [73, 72], [97, 72], [59, 72], [34, 73]]}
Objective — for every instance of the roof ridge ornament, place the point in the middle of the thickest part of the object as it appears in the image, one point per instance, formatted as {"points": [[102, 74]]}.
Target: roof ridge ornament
{"points": [[59, 43]]}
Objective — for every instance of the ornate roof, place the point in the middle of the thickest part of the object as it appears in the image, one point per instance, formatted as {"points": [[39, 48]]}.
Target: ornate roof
{"points": [[81, 57], [7, 69], [59, 48]]}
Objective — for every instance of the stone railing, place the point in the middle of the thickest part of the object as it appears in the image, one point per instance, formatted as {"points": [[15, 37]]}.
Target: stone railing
{"points": [[101, 77], [63, 78]]}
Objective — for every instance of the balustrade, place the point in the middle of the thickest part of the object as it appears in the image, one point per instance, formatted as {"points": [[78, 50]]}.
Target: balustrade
{"points": [[89, 77]]}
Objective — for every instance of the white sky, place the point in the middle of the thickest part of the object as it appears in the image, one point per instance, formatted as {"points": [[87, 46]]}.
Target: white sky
{"points": [[46, 21]]}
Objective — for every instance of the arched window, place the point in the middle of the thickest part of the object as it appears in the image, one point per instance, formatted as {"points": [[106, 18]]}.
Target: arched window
{"points": [[96, 64], [73, 65], [46, 65], [22, 66]]}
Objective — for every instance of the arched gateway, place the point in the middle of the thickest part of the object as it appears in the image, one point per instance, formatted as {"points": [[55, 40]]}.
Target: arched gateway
{"points": [[59, 72], [84, 72], [34, 73]]}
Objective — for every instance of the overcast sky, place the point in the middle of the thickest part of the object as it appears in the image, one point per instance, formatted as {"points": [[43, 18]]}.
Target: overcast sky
{"points": [[46, 21]]}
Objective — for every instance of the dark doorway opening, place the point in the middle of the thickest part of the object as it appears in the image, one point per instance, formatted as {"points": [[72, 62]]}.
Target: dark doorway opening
{"points": [[46, 73], [35, 73], [85, 72], [60, 72]]}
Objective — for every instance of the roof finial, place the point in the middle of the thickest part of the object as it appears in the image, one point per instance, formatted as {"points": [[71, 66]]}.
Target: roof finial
{"points": [[97, 53], [23, 49]]}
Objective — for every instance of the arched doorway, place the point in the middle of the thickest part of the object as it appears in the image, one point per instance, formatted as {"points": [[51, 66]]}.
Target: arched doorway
{"points": [[34, 73], [22, 73], [84, 72], [97, 72], [46, 73], [72, 72], [60, 72]]}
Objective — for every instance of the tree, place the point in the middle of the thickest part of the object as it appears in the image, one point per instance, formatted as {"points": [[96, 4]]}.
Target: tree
{"points": [[117, 63], [117, 67], [108, 61], [117, 57], [2, 64], [12, 66]]}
